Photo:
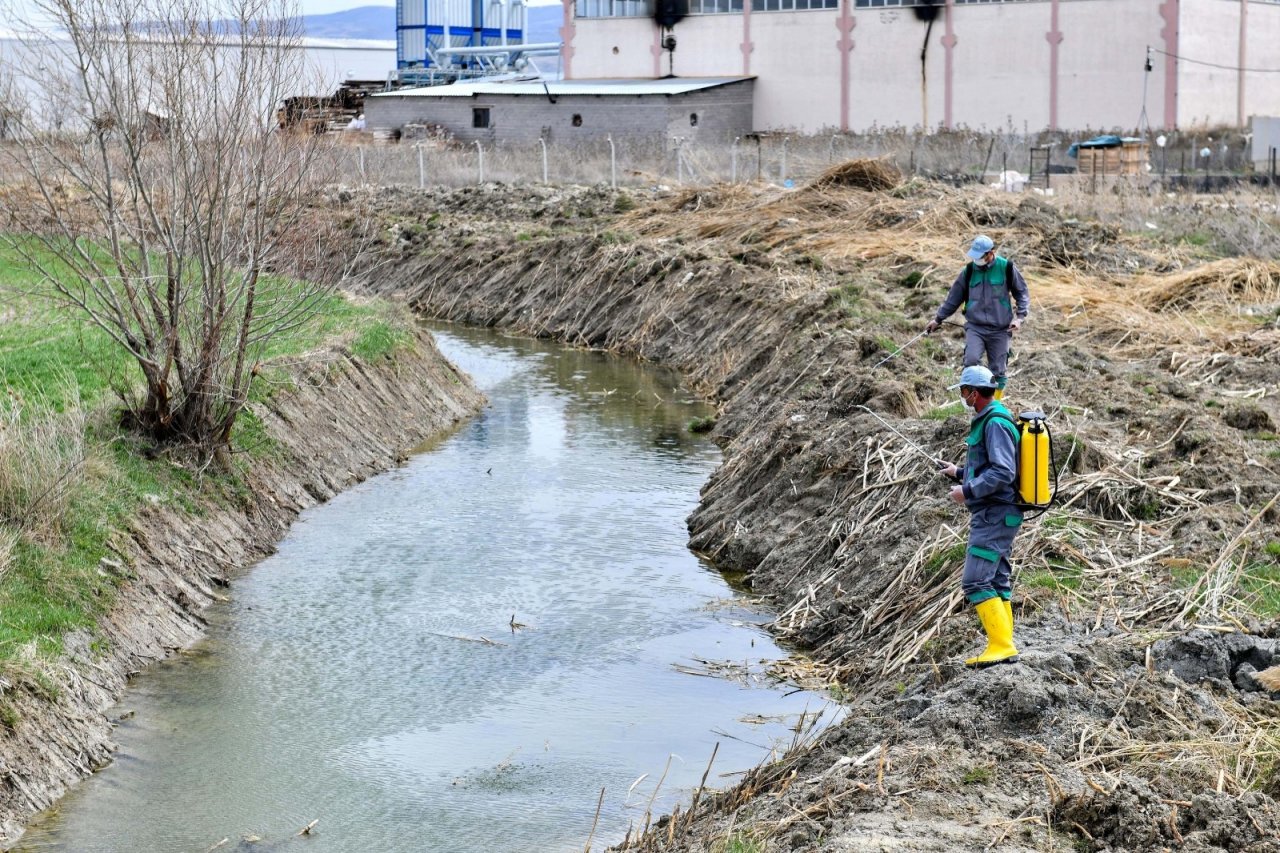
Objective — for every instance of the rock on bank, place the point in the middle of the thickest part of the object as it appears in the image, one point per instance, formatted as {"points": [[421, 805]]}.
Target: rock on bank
{"points": [[340, 421]]}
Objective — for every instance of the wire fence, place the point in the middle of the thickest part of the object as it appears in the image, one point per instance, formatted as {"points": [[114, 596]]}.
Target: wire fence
{"points": [[1199, 162]]}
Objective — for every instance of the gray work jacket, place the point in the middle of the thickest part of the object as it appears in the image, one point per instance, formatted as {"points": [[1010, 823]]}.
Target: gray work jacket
{"points": [[989, 303]]}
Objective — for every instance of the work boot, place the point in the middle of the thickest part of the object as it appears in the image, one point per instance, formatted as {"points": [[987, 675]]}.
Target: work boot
{"points": [[996, 616], [1000, 383]]}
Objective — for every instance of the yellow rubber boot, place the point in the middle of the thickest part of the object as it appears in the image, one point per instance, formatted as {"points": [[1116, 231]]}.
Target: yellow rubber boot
{"points": [[999, 395], [997, 621]]}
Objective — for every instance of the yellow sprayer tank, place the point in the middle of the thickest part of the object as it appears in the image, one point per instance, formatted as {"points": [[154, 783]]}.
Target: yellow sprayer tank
{"points": [[1034, 459]]}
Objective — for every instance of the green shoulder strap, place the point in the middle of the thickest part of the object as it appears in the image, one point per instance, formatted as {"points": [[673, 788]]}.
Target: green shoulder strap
{"points": [[1001, 415]]}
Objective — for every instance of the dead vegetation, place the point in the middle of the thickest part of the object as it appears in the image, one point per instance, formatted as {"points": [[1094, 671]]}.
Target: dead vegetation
{"points": [[1158, 371]]}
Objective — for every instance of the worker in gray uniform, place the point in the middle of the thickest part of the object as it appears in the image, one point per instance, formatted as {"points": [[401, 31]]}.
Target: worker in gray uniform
{"points": [[986, 485], [994, 297]]}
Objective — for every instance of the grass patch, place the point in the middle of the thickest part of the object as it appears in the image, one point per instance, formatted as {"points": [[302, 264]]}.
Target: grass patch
{"points": [[739, 842], [701, 425], [979, 774], [59, 511], [1060, 575], [1260, 582], [939, 561], [846, 298], [941, 413]]}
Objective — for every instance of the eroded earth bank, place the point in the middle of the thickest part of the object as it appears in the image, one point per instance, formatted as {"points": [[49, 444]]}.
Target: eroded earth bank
{"points": [[1145, 600], [336, 421]]}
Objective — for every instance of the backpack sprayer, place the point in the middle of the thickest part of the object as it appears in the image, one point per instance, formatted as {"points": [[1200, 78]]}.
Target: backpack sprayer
{"points": [[1035, 458], [1035, 448]]}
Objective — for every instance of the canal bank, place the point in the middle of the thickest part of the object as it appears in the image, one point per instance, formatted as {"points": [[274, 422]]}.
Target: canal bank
{"points": [[332, 421], [784, 308], [459, 654]]}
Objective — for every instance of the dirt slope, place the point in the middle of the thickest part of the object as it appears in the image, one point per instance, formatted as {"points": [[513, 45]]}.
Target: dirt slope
{"points": [[1126, 726], [342, 421]]}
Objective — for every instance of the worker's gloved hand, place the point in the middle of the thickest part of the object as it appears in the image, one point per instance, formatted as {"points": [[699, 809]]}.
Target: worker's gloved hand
{"points": [[932, 327], [1015, 325], [946, 469]]}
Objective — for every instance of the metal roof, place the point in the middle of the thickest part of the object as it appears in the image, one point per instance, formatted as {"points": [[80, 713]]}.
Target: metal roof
{"points": [[623, 86]]}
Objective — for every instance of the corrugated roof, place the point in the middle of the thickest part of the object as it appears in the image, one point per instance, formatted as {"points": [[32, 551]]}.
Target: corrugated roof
{"points": [[624, 86]]}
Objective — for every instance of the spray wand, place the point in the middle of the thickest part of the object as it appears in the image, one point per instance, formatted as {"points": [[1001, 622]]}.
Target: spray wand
{"points": [[930, 456]]}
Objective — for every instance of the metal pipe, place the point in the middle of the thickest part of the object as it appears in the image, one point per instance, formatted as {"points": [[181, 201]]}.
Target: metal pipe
{"points": [[831, 149], [543, 142], [733, 168], [502, 21], [613, 163], [784, 160], [539, 47], [445, 42], [422, 169], [480, 149]]}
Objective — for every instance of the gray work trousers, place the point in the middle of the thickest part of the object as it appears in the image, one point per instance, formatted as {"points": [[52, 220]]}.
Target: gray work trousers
{"points": [[993, 342], [987, 568]]}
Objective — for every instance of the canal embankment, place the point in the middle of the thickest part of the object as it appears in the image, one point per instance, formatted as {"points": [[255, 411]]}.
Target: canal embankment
{"points": [[1144, 601], [329, 419]]}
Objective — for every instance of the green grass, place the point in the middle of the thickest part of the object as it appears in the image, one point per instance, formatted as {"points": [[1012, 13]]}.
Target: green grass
{"points": [[979, 774], [940, 561], [941, 413], [1261, 583], [701, 425], [53, 360], [740, 843], [1061, 575]]}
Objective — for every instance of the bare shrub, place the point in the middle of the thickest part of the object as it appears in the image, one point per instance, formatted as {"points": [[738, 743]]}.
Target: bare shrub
{"points": [[157, 196]]}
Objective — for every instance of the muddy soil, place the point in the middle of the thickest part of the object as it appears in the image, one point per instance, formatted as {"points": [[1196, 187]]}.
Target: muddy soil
{"points": [[1125, 726], [340, 421]]}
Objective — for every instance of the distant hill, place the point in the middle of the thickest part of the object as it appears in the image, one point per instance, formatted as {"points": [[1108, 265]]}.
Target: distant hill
{"points": [[362, 22], [379, 22]]}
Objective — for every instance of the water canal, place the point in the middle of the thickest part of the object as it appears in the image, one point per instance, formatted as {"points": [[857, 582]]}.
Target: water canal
{"points": [[367, 675]]}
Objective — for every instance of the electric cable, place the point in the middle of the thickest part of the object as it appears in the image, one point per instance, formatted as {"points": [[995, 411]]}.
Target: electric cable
{"points": [[1214, 64]]}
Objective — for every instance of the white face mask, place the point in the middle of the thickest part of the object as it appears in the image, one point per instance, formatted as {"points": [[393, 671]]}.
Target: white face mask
{"points": [[968, 407]]}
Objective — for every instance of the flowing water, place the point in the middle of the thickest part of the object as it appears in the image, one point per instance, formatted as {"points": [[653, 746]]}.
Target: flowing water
{"points": [[367, 675]]}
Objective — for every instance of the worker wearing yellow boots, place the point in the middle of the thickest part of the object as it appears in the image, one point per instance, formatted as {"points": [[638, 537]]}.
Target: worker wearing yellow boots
{"points": [[986, 486]]}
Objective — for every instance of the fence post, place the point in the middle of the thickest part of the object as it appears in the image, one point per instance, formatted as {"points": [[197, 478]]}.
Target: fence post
{"points": [[613, 162], [831, 149], [422, 169], [363, 179], [783, 176], [480, 151], [733, 160], [543, 142]]}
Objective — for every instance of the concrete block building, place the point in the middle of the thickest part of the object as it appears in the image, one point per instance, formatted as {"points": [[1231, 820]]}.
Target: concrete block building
{"points": [[571, 111], [1022, 65]]}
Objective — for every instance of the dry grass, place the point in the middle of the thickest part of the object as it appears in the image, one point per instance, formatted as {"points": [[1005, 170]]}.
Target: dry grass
{"points": [[870, 175], [41, 462]]}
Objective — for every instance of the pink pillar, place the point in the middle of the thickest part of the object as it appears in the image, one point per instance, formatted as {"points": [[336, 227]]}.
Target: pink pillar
{"points": [[567, 32], [1054, 37], [1244, 39], [1169, 12], [747, 45], [845, 25], [948, 74], [656, 50]]}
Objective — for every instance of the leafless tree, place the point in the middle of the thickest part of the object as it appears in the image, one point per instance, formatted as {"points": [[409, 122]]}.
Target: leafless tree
{"points": [[150, 187]]}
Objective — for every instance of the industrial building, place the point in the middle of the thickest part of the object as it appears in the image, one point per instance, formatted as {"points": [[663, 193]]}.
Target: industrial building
{"points": [[518, 110], [1018, 65]]}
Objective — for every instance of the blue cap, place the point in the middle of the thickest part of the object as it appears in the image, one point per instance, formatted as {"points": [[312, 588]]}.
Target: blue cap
{"points": [[981, 245], [975, 376]]}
